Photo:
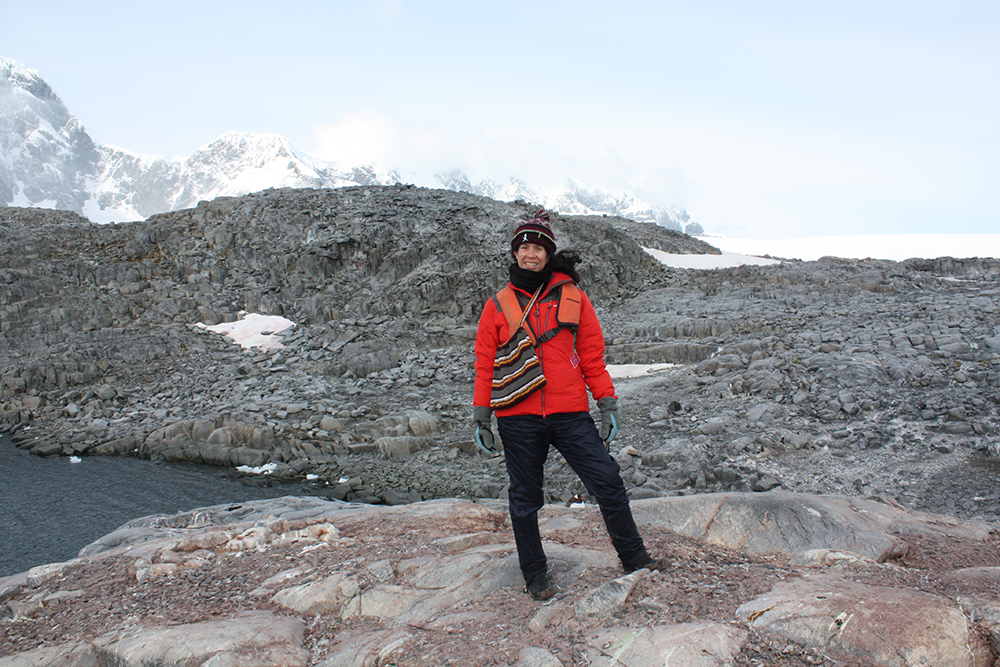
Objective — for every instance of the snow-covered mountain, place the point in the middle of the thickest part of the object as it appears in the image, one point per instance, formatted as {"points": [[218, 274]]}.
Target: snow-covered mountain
{"points": [[46, 157], [574, 199], [48, 160], [135, 186]]}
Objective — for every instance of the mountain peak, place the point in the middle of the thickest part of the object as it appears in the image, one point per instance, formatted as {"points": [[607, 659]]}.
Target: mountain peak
{"points": [[48, 158], [260, 141], [14, 75], [573, 199]]}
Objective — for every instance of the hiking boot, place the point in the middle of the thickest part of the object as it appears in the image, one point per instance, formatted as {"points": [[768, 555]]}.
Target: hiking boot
{"points": [[540, 588], [655, 564]]}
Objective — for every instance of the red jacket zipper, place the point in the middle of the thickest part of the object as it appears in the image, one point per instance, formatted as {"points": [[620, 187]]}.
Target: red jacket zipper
{"points": [[540, 327]]}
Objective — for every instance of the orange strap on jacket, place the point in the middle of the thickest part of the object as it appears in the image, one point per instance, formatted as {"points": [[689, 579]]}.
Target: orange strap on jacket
{"points": [[567, 313]]}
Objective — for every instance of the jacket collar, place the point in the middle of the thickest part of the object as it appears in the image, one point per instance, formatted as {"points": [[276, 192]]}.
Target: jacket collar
{"points": [[555, 281]]}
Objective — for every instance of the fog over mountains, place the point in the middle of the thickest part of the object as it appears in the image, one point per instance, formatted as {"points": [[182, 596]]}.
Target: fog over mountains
{"points": [[48, 160]]}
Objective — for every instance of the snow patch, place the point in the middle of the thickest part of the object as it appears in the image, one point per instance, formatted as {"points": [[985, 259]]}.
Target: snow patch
{"points": [[893, 247], [725, 260], [253, 330], [636, 370], [265, 469]]}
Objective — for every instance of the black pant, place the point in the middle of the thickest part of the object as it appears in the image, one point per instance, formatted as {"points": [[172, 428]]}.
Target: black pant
{"points": [[526, 440]]}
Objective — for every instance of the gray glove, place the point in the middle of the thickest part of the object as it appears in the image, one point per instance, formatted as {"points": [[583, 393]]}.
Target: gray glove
{"points": [[609, 418], [483, 434]]}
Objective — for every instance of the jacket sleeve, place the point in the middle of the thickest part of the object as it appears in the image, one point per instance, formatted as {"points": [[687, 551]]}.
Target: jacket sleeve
{"points": [[590, 348], [487, 342]]}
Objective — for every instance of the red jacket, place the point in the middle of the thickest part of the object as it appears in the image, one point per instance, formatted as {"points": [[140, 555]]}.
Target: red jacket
{"points": [[568, 375]]}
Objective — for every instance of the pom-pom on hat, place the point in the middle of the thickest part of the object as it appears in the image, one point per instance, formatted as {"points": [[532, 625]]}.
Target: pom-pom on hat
{"points": [[537, 230]]}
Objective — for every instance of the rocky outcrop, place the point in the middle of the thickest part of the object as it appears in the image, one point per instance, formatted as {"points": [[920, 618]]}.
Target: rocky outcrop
{"points": [[298, 581], [886, 625], [798, 523], [383, 285], [864, 378], [650, 235]]}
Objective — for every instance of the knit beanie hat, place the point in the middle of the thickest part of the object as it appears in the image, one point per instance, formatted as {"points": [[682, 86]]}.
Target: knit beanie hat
{"points": [[537, 230]]}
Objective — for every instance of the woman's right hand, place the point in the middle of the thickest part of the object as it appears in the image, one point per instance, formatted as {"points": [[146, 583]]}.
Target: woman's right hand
{"points": [[483, 433]]}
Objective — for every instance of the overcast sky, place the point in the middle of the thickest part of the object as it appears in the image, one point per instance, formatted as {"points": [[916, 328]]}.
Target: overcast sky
{"points": [[762, 119]]}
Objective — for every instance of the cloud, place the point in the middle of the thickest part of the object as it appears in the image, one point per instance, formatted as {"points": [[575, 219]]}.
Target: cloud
{"points": [[545, 159], [365, 137], [732, 174], [423, 150]]}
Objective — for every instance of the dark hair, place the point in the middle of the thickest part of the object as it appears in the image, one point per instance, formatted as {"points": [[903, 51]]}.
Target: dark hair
{"points": [[565, 261]]}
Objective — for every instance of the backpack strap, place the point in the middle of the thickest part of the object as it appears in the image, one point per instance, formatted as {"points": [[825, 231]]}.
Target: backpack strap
{"points": [[506, 301], [567, 312]]}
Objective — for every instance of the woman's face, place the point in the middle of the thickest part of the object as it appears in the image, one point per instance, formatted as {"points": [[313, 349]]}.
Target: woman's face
{"points": [[531, 256]]}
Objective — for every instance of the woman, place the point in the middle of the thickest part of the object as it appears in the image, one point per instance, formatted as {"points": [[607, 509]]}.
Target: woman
{"points": [[571, 351]]}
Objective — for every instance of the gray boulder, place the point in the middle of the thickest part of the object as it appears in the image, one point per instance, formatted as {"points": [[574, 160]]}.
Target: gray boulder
{"points": [[887, 626], [254, 639], [791, 523]]}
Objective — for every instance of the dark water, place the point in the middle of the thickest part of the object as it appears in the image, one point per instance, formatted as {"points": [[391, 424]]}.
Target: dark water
{"points": [[52, 508]]}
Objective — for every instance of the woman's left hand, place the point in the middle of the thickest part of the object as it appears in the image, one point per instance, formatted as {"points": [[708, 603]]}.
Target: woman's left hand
{"points": [[609, 418]]}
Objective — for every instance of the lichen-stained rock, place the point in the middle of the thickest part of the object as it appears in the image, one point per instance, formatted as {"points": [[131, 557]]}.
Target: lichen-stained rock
{"points": [[363, 649], [458, 543], [385, 601], [323, 596], [971, 577], [688, 644], [888, 626], [824, 558], [603, 600], [972, 586], [254, 639], [532, 656], [44, 573], [392, 585], [60, 655], [433, 585]]}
